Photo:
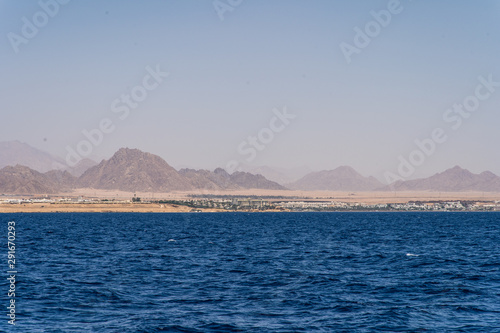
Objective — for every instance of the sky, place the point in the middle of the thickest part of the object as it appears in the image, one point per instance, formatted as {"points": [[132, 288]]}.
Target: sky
{"points": [[283, 83]]}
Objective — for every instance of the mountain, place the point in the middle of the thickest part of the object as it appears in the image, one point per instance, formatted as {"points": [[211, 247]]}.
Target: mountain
{"points": [[219, 179], [61, 179], [279, 175], [23, 180], [209, 180], [133, 170], [343, 178], [248, 180], [455, 179], [80, 168], [17, 153], [128, 170]]}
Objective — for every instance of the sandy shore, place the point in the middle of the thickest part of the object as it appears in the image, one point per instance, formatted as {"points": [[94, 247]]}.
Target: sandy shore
{"points": [[94, 208]]}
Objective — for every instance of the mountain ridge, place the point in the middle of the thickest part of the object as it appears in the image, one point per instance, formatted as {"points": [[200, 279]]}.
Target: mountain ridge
{"points": [[343, 178], [20, 179], [455, 179], [134, 170]]}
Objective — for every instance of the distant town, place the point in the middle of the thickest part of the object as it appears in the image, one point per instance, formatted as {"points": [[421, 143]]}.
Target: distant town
{"points": [[258, 204]]}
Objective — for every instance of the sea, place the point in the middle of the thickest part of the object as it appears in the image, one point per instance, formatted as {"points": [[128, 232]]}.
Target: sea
{"points": [[253, 272]]}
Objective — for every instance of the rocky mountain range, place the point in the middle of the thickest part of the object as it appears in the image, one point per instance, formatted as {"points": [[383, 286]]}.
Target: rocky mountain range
{"points": [[219, 179], [209, 180], [129, 170], [343, 178], [455, 179], [277, 174], [23, 180], [132, 170]]}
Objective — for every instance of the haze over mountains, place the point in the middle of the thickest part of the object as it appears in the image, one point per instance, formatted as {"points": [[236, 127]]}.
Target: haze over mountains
{"points": [[132, 170], [343, 178], [277, 174], [15, 152]]}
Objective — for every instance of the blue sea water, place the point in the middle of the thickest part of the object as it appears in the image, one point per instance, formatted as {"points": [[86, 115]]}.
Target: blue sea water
{"points": [[255, 272]]}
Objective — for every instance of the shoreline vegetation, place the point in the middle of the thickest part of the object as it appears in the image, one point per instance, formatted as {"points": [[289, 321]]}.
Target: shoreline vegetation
{"points": [[99, 201]]}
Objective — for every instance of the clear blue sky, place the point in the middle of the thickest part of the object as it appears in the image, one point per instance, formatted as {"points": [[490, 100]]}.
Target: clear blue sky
{"points": [[226, 76]]}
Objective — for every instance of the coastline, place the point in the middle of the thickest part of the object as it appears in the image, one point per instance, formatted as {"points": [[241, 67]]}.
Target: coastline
{"points": [[165, 208], [105, 201], [95, 208]]}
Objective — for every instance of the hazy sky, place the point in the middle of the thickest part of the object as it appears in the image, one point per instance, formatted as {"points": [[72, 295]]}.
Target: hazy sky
{"points": [[226, 76]]}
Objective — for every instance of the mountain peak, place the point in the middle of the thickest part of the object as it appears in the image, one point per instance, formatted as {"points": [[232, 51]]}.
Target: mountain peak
{"points": [[456, 171], [455, 179], [346, 171], [17, 152], [488, 174], [129, 153], [345, 167], [221, 172], [134, 170], [457, 168]]}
